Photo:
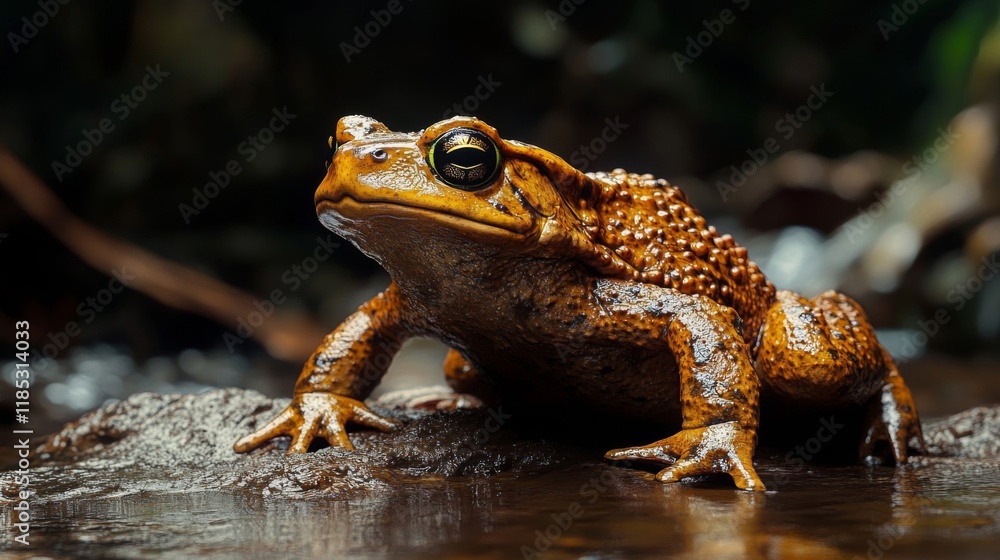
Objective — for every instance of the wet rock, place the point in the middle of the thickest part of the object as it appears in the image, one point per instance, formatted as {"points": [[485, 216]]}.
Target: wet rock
{"points": [[154, 442], [973, 434], [155, 475], [180, 443]]}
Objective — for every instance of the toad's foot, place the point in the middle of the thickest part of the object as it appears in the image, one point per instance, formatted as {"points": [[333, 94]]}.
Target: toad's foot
{"points": [[892, 420], [316, 414], [719, 448], [428, 398]]}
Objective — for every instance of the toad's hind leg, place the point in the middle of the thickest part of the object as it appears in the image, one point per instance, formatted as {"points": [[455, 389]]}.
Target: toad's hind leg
{"points": [[822, 354], [892, 418], [464, 378], [470, 389]]}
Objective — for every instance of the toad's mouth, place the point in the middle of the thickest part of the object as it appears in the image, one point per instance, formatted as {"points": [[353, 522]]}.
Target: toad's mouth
{"points": [[339, 214]]}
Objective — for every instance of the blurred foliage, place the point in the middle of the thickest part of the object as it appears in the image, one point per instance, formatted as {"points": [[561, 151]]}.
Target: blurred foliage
{"points": [[950, 55], [559, 80]]}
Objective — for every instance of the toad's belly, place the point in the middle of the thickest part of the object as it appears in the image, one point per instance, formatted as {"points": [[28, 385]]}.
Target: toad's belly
{"points": [[575, 384]]}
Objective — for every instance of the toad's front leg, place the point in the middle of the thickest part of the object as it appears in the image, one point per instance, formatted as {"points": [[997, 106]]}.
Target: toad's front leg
{"points": [[345, 369], [719, 387]]}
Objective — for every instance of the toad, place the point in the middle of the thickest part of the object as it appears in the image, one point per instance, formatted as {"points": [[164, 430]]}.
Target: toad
{"points": [[594, 294]]}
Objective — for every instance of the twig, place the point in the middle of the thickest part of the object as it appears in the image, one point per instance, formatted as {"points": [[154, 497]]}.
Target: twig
{"points": [[170, 283]]}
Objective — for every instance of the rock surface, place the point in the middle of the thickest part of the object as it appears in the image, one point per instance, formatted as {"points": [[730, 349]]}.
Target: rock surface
{"points": [[973, 434], [185, 442], [155, 475]]}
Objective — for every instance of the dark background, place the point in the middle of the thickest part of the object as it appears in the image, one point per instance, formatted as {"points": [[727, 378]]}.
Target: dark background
{"points": [[557, 80]]}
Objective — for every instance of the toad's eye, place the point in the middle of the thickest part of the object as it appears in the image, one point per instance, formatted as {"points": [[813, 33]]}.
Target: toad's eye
{"points": [[465, 158]]}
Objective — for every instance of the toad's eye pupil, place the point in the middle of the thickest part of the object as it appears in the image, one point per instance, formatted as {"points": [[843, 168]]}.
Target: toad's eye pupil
{"points": [[465, 158]]}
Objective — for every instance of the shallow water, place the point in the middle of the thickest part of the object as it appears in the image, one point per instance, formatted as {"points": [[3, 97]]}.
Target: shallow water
{"points": [[936, 508]]}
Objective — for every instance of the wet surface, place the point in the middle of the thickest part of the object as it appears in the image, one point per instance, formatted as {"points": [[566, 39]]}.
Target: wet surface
{"points": [[154, 476]]}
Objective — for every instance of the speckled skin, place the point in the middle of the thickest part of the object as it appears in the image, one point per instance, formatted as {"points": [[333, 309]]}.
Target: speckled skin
{"points": [[598, 293]]}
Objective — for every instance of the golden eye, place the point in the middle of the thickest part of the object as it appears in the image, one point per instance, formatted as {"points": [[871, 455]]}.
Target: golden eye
{"points": [[464, 158]]}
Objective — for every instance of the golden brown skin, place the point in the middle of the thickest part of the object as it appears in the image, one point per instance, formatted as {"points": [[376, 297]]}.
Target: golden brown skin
{"points": [[599, 293]]}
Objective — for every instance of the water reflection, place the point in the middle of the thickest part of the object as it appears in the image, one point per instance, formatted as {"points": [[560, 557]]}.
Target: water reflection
{"points": [[585, 510]]}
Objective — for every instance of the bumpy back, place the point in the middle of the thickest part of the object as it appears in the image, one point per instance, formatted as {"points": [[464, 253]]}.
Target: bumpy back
{"points": [[645, 230]]}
